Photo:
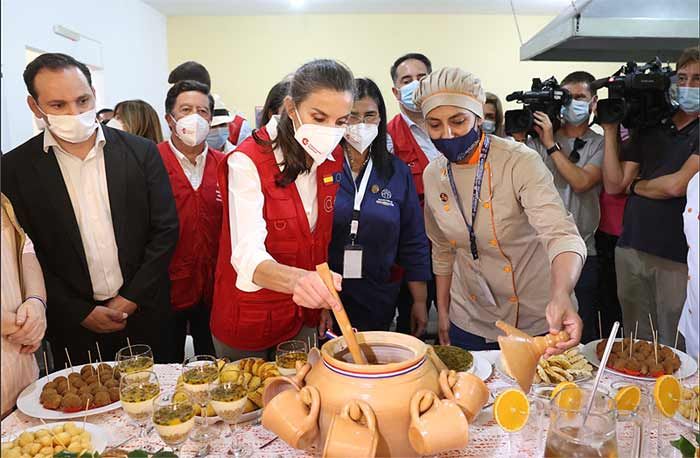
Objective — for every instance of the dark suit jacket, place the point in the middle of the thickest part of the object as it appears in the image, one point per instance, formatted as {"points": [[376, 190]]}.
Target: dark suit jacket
{"points": [[145, 227]]}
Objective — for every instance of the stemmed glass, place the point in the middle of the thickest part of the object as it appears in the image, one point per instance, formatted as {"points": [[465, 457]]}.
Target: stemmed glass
{"points": [[288, 353], [228, 400], [198, 374], [173, 418], [134, 359], [137, 391]]}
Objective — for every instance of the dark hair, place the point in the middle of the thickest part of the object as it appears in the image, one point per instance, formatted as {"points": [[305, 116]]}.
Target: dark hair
{"points": [[274, 100], [493, 99], [186, 86], [190, 70], [105, 110], [310, 77], [579, 77], [52, 61], [688, 56], [381, 158], [404, 58]]}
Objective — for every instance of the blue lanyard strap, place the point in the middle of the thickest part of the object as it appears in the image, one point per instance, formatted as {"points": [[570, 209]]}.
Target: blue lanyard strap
{"points": [[476, 192]]}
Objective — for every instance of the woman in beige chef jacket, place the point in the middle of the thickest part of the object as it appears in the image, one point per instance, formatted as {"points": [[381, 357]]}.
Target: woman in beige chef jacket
{"points": [[504, 246]]}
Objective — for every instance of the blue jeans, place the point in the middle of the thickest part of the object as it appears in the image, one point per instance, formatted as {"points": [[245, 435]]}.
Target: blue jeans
{"points": [[468, 341]]}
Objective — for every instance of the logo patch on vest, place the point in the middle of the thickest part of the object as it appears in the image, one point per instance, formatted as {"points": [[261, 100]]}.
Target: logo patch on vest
{"points": [[386, 194], [328, 204], [329, 179]]}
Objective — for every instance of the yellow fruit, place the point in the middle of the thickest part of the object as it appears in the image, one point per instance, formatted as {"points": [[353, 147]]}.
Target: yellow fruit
{"points": [[667, 394], [569, 397], [511, 410], [628, 398], [561, 386]]}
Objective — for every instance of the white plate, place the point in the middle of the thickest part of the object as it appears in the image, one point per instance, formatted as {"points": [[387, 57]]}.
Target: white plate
{"points": [[481, 367], [28, 400], [688, 365], [502, 370], [100, 436]]}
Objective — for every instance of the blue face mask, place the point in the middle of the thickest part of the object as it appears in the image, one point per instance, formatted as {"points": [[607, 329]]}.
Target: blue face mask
{"points": [[217, 137], [457, 148], [689, 99], [407, 92], [577, 112]]}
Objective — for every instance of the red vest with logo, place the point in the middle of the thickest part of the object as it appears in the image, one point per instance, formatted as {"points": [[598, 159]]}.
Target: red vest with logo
{"points": [[199, 213], [406, 148], [262, 319], [234, 129]]}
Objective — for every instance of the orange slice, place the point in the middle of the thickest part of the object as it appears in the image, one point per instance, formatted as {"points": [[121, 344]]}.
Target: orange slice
{"points": [[667, 394], [628, 398], [570, 398], [511, 410], [561, 386]]}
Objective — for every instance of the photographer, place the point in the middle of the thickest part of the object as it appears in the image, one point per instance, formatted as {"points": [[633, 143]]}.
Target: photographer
{"points": [[654, 168], [574, 154]]}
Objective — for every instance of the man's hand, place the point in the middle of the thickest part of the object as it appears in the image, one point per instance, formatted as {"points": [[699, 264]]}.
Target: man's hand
{"points": [[544, 128], [562, 316], [104, 320], [325, 324], [610, 128], [419, 318], [444, 327], [31, 320], [122, 304]]}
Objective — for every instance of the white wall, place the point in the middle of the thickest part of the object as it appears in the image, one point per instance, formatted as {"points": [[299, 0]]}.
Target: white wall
{"points": [[130, 46]]}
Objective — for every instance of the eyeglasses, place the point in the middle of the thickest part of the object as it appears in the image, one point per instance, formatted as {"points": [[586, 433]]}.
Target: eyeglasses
{"points": [[372, 118], [574, 156]]}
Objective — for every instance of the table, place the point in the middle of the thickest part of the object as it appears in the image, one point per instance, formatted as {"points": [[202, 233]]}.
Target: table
{"points": [[486, 438]]}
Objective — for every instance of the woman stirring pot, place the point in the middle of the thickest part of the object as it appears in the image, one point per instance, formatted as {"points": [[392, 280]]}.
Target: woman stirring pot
{"points": [[504, 247]]}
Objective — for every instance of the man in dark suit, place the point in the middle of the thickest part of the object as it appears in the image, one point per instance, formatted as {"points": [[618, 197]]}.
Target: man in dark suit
{"points": [[98, 205]]}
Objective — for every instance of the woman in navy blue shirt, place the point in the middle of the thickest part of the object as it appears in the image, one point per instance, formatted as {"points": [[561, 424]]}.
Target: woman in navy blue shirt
{"points": [[378, 222]]}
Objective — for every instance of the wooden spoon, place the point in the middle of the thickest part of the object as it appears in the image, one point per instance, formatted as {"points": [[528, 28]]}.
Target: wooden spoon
{"points": [[341, 317]]}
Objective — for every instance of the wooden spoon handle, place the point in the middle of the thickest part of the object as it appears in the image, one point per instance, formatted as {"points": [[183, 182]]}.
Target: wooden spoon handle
{"points": [[340, 316]]}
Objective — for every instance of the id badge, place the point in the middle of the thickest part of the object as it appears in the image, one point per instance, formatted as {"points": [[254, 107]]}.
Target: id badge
{"points": [[352, 261]]}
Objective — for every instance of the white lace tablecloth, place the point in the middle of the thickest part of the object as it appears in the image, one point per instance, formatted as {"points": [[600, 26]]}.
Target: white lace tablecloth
{"points": [[486, 438]]}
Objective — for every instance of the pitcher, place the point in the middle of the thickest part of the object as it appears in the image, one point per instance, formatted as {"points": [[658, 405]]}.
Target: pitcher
{"points": [[569, 437]]}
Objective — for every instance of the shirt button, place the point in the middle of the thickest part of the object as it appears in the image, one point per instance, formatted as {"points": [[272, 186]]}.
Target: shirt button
{"points": [[487, 205], [507, 269], [472, 297], [690, 210], [513, 299], [493, 242]]}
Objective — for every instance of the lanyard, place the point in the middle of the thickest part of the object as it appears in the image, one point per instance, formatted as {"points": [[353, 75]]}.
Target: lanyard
{"points": [[476, 192], [359, 195]]}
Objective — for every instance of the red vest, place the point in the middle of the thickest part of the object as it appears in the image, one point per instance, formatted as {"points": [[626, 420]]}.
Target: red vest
{"points": [[259, 320], [234, 129], [406, 148], [199, 213]]}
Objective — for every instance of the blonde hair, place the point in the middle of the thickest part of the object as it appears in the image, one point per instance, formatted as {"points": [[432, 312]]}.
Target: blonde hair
{"points": [[139, 118], [492, 99]]}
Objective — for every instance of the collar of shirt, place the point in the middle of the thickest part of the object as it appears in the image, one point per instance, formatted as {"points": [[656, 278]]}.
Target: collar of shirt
{"points": [[422, 138], [50, 141], [271, 128], [198, 161]]}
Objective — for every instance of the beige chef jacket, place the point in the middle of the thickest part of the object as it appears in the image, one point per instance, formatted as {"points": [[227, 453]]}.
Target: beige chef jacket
{"points": [[521, 226]]}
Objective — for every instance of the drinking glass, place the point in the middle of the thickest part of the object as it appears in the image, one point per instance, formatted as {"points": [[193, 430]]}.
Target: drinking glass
{"points": [[137, 391], [198, 374], [134, 358], [173, 418], [229, 400], [288, 353]]}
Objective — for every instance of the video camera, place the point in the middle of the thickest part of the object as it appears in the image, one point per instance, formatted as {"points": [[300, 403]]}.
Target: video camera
{"points": [[547, 97], [638, 96]]}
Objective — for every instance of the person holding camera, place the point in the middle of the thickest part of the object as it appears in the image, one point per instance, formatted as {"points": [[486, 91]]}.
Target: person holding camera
{"points": [[654, 168], [504, 247], [574, 154]]}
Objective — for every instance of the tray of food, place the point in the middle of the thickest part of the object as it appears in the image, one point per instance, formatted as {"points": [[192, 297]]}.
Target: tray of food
{"points": [[64, 394], [460, 360], [570, 366], [46, 440], [689, 408], [636, 359]]}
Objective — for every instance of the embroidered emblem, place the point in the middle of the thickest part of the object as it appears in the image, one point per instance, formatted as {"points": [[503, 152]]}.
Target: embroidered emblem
{"points": [[328, 204], [386, 194], [443, 197]]}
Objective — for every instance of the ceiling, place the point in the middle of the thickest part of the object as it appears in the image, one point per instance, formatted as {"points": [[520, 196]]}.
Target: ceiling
{"points": [[266, 7]]}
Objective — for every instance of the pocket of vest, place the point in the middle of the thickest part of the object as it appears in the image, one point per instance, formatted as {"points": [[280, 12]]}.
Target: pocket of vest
{"points": [[283, 251]]}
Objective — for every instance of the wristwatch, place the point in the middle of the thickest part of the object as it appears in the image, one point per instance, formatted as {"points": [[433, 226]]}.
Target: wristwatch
{"points": [[554, 148]]}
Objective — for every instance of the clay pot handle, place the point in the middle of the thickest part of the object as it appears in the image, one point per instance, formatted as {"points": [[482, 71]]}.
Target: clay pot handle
{"points": [[421, 402], [364, 410], [511, 330], [445, 384], [435, 359], [311, 397], [302, 370]]}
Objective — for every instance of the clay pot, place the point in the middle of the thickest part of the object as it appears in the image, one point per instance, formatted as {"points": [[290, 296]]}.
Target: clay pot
{"points": [[436, 425], [467, 390], [293, 416], [353, 433]]}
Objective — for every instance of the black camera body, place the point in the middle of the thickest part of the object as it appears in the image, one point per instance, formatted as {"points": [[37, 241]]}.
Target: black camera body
{"points": [[545, 96], [638, 96]]}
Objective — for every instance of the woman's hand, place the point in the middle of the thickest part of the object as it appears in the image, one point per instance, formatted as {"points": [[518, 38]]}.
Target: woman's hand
{"points": [[310, 291], [31, 320], [444, 327], [325, 323], [561, 315]]}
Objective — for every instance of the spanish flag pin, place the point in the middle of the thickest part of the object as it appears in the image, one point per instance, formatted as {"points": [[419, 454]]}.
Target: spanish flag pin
{"points": [[328, 179]]}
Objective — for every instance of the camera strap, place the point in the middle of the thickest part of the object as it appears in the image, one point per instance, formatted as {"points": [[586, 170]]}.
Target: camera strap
{"points": [[476, 192]]}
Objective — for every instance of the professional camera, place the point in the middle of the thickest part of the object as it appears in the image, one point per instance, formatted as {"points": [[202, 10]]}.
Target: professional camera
{"points": [[638, 96], [547, 97]]}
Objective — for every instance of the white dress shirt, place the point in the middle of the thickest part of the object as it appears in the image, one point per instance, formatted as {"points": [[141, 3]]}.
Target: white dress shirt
{"points": [[86, 182], [246, 200], [193, 172], [691, 311], [422, 138]]}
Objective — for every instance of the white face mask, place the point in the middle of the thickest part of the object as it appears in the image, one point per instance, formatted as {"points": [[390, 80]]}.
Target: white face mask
{"points": [[360, 136], [72, 128], [192, 129], [114, 123], [318, 141]]}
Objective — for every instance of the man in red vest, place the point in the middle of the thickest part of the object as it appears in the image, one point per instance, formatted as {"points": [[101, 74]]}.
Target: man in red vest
{"points": [[191, 166], [410, 143]]}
